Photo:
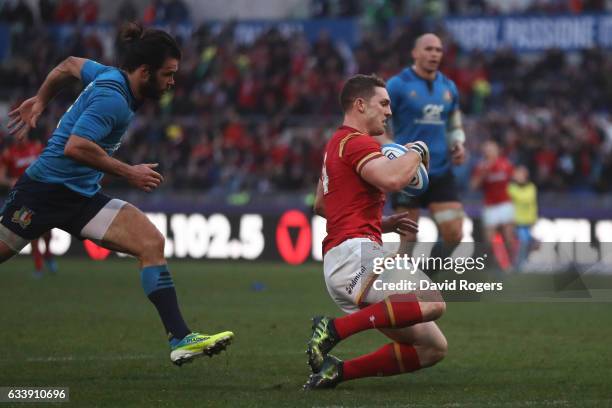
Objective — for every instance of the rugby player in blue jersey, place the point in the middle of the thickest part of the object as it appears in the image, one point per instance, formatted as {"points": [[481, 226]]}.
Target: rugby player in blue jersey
{"points": [[61, 188], [426, 107]]}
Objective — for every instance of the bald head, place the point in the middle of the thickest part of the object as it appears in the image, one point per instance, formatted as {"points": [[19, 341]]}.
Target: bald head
{"points": [[427, 55], [427, 39]]}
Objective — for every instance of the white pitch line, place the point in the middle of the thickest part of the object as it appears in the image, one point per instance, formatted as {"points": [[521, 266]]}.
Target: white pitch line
{"points": [[124, 357], [531, 403], [90, 358], [53, 359]]}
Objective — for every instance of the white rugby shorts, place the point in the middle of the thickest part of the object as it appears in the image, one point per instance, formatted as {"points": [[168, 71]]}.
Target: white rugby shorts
{"points": [[498, 214], [350, 279]]}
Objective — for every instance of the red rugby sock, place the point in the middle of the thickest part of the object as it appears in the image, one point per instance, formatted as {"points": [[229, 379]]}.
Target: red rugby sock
{"points": [[399, 310], [38, 260], [390, 359]]}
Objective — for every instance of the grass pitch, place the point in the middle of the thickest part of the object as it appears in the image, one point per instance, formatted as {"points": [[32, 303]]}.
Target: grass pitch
{"points": [[92, 329]]}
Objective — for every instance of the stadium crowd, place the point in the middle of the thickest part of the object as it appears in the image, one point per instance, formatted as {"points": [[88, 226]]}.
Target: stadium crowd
{"points": [[256, 117]]}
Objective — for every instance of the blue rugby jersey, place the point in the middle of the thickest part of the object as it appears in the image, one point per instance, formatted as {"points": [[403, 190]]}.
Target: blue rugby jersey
{"points": [[101, 113], [421, 110]]}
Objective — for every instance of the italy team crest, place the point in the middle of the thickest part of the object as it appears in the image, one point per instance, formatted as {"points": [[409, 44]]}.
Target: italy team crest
{"points": [[23, 217], [447, 96]]}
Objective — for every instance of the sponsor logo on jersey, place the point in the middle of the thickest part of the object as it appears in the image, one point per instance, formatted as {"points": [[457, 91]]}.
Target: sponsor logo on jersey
{"points": [[432, 115], [23, 217]]}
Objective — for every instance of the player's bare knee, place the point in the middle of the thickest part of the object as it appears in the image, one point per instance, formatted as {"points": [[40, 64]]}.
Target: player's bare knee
{"points": [[153, 243], [432, 310], [431, 354], [438, 309], [6, 252], [437, 352], [441, 346], [5, 256], [452, 235]]}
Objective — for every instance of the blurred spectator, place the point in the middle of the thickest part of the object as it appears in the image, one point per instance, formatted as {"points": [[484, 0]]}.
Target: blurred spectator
{"points": [[127, 11], [67, 11], [176, 12], [320, 8], [46, 9], [256, 117], [152, 12], [89, 11], [171, 11], [16, 11], [349, 8]]}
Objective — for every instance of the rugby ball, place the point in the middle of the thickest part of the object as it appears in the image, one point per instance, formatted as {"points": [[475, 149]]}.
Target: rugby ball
{"points": [[419, 183]]}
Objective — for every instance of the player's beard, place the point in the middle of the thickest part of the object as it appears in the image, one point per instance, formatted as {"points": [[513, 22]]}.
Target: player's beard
{"points": [[150, 89]]}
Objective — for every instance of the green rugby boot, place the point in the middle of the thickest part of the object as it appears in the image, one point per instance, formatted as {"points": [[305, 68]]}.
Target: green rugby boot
{"points": [[328, 376], [323, 339], [196, 345]]}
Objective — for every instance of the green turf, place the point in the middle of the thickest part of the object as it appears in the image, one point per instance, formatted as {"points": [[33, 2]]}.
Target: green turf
{"points": [[92, 329]]}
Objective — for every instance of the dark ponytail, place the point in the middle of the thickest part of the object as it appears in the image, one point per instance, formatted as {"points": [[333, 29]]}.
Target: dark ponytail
{"points": [[130, 32], [137, 46]]}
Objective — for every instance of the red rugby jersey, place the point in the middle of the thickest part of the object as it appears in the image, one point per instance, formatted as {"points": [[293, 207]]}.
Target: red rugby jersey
{"points": [[495, 181], [19, 156], [353, 207]]}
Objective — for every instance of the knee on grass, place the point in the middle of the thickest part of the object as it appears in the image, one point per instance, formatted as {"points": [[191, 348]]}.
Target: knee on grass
{"points": [[432, 353]]}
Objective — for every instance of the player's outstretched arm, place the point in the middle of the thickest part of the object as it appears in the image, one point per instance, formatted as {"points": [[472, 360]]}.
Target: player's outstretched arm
{"points": [[141, 176], [61, 76], [25, 116], [392, 175]]}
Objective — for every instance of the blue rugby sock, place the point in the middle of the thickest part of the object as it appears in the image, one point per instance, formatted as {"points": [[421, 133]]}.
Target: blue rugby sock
{"points": [[159, 288]]}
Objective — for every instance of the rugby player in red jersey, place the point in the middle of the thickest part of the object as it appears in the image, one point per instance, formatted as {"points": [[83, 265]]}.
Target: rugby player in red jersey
{"points": [[351, 195], [493, 175], [15, 159]]}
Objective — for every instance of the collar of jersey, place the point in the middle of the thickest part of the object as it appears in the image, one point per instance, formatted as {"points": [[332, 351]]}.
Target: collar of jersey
{"points": [[349, 128], [421, 78]]}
